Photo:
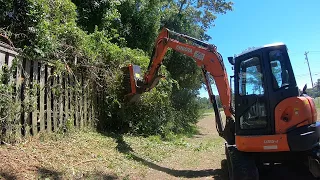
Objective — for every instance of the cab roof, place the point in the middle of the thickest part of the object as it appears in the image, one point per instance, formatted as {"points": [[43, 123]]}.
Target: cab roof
{"points": [[261, 47]]}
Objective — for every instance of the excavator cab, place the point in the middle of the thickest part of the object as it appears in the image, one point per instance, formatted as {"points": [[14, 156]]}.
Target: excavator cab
{"points": [[274, 123], [264, 79]]}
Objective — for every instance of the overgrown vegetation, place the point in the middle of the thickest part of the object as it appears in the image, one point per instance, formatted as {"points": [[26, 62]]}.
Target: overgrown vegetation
{"points": [[98, 37], [315, 90], [317, 102]]}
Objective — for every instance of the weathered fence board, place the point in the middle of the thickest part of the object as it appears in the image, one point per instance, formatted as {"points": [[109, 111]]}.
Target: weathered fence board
{"points": [[42, 93], [85, 104], [2, 59], [88, 106], [66, 100], [60, 102], [10, 119], [55, 104], [26, 99], [77, 109], [49, 99], [43, 99], [71, 101], [35, 93], [81, 104], [18, 120]]}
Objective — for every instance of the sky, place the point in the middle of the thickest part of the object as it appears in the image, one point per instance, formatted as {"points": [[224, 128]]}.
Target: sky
{"points": [[256, 23]]}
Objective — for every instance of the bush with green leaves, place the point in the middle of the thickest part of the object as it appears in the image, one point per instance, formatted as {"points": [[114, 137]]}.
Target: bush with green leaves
{"points": [[96, 38]]}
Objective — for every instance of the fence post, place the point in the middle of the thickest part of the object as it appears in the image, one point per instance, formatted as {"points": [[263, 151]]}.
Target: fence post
{"points": [[18, 123], [60, 101], [81, 102], [49, 98], [2, 63], [55, 103], [94, 105], [71, 98], [66, 100], [2, 60], [10, 120], [41, 102], [76, 104], [85, 104], [35, 94], [26, 98], [89, 107]]}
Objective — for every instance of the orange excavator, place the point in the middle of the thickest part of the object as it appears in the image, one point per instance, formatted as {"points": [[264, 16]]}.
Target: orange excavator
{"points": [[268, 121]]}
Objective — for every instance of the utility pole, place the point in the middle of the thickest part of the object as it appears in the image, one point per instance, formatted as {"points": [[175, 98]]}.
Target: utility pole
{"points": [[306, 54]]}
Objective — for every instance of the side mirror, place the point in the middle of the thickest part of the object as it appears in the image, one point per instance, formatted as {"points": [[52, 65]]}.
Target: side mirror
{"points": [[304, 89], [231, 60]]}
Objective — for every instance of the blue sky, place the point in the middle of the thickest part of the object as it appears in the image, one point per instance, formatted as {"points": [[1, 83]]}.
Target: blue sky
{"points": [[256, 23]]}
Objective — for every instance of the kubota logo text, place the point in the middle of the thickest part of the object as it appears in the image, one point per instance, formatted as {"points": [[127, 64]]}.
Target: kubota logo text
{"points": [[185, 49], [271, 141]]}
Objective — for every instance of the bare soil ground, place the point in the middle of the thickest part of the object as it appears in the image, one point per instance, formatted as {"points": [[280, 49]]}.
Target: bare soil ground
{"points": [[91, 155]]}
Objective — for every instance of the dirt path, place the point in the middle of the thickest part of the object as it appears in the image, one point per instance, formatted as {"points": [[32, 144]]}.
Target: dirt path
{"points": [[202, 163], [210, 164]]}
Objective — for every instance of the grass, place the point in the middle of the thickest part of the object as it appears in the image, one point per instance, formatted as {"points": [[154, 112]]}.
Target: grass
{"points": [[317, 102], [207, 111], [92, 155]]}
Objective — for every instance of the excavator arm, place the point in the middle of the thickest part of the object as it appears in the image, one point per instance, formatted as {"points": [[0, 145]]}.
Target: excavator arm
{"points": [[205, 56]]}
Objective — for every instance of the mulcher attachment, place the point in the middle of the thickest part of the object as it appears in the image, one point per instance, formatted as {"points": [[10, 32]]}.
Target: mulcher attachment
{"points": [[132, 82]]}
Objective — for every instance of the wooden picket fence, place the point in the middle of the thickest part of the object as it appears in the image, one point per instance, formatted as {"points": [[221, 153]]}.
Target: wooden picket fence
{"points": [[43, 100]]}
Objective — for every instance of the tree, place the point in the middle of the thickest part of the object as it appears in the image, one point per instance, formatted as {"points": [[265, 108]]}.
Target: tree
{"points": [[315, 90], [139, 23], [191, 18], [136, 21], [100, 13]]}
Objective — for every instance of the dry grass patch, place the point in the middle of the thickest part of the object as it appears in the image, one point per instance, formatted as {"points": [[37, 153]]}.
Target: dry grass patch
{"points": [[92, 155]]}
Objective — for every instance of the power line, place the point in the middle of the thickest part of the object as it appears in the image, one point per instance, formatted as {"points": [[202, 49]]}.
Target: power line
{"points": [[307, 74]]}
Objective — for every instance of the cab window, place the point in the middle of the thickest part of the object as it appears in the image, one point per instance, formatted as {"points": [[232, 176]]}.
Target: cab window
{"points": [[250, 77], [279, 69]]}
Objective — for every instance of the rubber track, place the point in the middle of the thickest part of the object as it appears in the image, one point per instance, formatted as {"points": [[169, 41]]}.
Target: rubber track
{"points": [[243, 166]]}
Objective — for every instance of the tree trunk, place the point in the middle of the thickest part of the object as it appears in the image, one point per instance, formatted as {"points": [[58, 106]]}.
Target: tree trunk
{"points": [[181, 6]]}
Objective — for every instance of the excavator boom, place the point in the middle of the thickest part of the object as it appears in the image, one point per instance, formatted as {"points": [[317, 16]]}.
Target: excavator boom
{"points": [[205, 56]]}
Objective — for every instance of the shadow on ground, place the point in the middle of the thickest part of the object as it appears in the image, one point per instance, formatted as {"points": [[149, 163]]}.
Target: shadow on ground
{"points": [[123, 147], [44, 173], [100, 175], [278, 172], [7, 175], [216, 173], [282, 172]]}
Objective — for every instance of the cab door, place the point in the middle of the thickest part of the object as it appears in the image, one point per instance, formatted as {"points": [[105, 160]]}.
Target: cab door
{"points": [[282, 83], [251, 97]]}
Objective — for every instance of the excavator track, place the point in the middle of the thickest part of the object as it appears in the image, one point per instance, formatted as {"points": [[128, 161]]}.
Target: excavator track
{"points": [[241, 166]]}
